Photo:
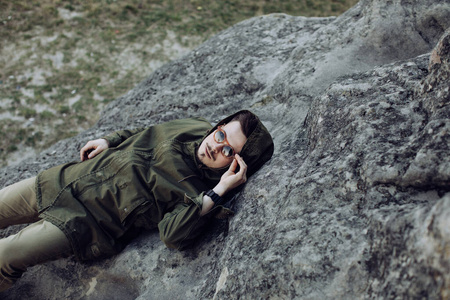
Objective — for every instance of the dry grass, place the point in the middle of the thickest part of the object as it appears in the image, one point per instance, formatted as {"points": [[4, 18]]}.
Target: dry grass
{"points": [[62, 61]]}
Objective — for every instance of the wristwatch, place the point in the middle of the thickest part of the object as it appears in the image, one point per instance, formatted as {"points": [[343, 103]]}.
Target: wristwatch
{"points": [[214, 197]]}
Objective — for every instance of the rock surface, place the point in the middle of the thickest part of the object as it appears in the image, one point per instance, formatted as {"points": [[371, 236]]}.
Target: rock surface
{"points": [[355, 203]]}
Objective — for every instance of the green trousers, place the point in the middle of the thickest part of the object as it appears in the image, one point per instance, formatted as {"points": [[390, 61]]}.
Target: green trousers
{"points": [[37, 243]]}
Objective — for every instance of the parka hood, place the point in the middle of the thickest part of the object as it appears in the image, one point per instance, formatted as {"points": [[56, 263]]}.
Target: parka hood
{"points": [[257, 150]]}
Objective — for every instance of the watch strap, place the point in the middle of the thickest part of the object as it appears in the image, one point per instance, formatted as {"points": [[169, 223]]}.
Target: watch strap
{"points": [[214, 197]]}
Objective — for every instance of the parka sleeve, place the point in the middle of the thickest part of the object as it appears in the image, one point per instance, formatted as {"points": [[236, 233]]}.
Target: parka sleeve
{"points": [[116, 138], [180, 227]]}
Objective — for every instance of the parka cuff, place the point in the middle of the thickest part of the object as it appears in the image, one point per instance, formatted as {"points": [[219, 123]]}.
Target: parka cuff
{"points": [[218, 211], [113, 139]]}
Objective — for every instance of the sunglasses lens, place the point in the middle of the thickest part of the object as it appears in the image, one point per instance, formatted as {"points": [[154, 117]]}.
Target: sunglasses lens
{"points": [[227, 151], [219, 136]]}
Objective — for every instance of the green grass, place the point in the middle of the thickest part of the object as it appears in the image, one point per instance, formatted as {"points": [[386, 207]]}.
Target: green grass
{"points": [[195, 17], [58, 73]]}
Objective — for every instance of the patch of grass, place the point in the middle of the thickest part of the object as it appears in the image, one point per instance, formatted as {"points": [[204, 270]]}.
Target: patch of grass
{"points": [[46, 115], [64, 109], [27, 112], [33, 139], [11, 135], [12, 148]]}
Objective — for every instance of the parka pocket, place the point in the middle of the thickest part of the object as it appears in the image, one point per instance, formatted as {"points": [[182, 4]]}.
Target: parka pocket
{"points": [[128, 212]]}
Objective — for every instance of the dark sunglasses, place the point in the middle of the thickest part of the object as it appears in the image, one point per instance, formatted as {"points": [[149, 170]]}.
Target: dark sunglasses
{"points": [[221, 137]]}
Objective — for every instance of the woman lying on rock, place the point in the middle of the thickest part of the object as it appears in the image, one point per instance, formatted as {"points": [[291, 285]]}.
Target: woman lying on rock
{"points": [[171, 176]]}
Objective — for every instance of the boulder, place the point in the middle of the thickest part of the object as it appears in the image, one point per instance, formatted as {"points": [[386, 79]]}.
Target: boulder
{"points": [[355, 202]]}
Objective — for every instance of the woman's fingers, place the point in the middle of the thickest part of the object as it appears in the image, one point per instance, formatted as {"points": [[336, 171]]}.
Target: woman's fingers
{"points": [[92, 148], [242, 168], [85, 151], [233, 165]]}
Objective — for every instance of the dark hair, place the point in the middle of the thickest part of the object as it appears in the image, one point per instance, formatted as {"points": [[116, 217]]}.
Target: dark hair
{"points": [[248, 122]]}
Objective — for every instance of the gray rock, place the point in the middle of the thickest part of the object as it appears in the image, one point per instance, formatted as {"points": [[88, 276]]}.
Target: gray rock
{"points": [[355, 202]]}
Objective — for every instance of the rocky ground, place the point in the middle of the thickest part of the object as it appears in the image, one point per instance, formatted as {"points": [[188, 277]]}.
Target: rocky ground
{"points": [[355, 202]]}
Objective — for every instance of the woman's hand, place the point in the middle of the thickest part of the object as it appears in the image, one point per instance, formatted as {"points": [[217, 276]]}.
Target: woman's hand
{"points": [[230, 179], [92, 148]]}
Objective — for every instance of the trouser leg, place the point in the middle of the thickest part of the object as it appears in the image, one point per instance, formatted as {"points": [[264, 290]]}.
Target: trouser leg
{"points": [[18, 203], [39, 242], [35, 244]]}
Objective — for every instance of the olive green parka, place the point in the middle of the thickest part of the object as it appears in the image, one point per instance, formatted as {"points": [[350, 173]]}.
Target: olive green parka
{"points": [[147, 178]]}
